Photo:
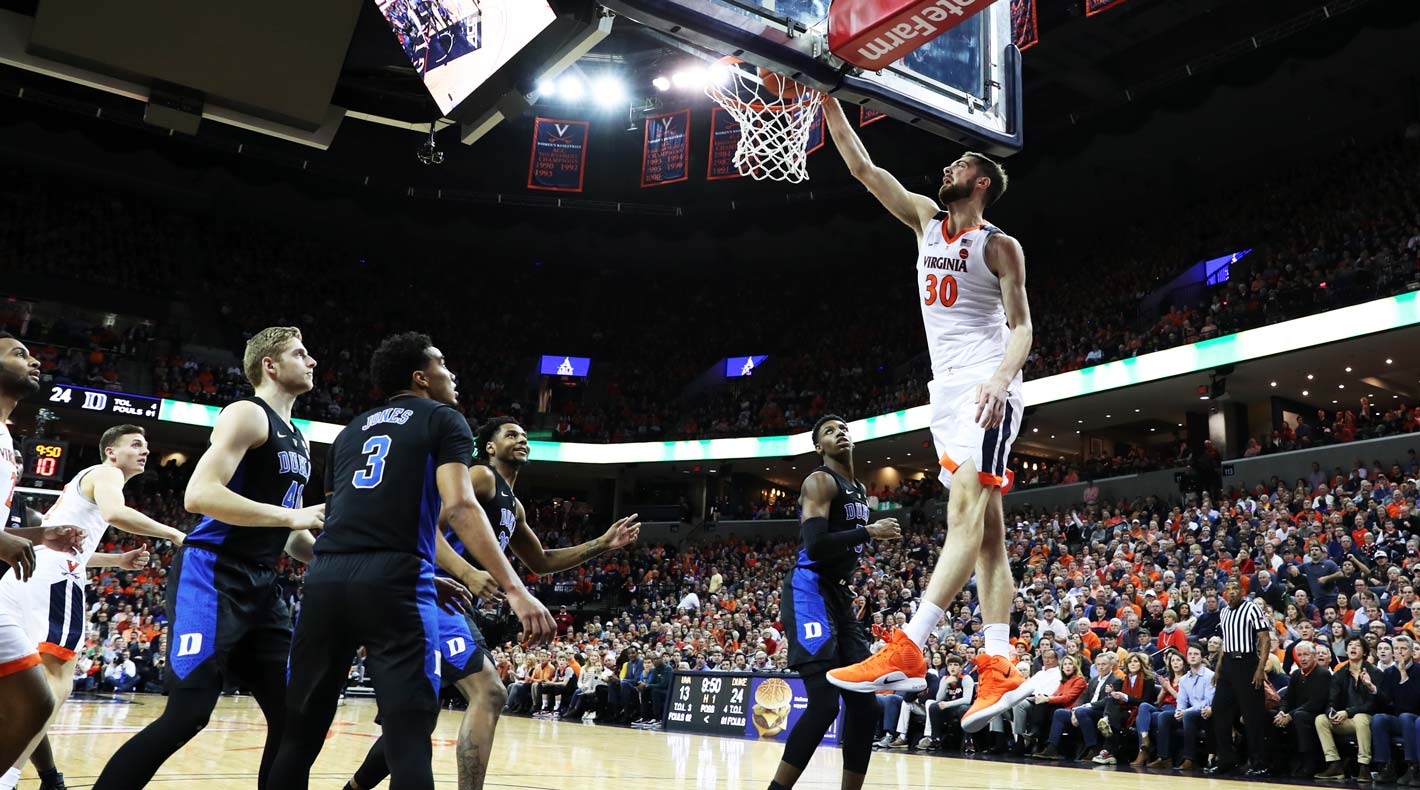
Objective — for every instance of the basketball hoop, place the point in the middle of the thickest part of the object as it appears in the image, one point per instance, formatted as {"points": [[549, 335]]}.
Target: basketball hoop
{"points": [[775, 114]]}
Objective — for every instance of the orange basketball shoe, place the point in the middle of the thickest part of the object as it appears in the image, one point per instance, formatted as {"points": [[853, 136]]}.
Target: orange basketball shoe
{"points": [[898, 667], [995, 677]]}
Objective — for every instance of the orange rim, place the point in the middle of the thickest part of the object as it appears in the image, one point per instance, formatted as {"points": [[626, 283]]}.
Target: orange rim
{"points": [[806, 96], [762, 107]]}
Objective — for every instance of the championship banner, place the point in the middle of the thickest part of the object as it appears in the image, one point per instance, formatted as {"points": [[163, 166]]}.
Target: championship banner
{"points": [[867, 115], [740, 704], [665, 149], [1093, 7], [724, 138], [559, 155], [815, 133], [1024, 30]]}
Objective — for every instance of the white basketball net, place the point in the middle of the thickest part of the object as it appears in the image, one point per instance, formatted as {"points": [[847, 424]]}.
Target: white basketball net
{"points": [[774, 131]]}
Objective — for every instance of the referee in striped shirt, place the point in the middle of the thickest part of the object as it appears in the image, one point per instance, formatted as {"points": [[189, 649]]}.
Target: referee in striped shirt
{"points": [[1247, 640]]}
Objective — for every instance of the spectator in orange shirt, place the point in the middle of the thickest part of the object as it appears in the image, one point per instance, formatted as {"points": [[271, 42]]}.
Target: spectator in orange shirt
{"points": [[1088, 638], [1171, 635]]}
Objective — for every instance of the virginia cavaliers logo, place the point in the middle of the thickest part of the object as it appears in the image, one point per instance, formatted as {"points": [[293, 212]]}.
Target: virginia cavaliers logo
{"points": [[561, 136]]}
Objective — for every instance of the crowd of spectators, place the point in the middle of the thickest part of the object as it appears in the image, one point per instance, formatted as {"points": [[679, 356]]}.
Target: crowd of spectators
{"points": [[72, 350], [1308, 255]]}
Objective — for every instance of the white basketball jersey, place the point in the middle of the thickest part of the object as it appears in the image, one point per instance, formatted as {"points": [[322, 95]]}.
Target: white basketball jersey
{"points": [[9, 472], [961, 302], [73, 509]]}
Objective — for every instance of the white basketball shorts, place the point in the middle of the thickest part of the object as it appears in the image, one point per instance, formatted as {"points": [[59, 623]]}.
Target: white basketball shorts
{"points": [[50, 606], [17, 649], [958, 437]]}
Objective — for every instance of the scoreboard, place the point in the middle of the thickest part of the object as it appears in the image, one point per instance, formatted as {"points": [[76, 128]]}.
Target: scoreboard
{"points": [[117, 404], [740, 704], [714, 703], [44, 459]]}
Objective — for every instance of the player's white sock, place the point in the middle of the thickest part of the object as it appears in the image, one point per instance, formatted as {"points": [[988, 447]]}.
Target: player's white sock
{"points": [[10, 779], [998, 639], [922, 623]]}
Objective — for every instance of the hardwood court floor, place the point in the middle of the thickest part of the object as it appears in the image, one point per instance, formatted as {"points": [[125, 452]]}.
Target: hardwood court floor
{"points": [[546, 755]]}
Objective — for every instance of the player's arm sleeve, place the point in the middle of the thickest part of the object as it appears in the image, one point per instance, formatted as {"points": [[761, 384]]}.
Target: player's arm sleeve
{"points": [[819, 543]]}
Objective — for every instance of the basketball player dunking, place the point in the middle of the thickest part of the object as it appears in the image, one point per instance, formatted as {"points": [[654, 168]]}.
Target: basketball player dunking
{"points": [[971, 280], [816, 608], [465, 659], [25, 699], [53, 599], [221, 593]]}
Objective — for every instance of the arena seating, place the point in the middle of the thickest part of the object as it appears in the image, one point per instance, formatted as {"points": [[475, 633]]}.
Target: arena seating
{"points": [[247, 277]]}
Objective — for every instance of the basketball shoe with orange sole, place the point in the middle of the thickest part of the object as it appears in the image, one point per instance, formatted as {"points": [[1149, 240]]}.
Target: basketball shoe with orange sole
{"points": [[996, 677], [898, 667]]}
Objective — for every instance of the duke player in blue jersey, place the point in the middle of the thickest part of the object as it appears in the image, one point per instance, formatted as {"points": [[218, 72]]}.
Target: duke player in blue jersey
{"points": [[816, 608], [397, 474], [227, 614], [465, 660]]}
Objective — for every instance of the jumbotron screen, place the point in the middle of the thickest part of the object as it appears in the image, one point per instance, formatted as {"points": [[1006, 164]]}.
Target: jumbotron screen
{"points": [[456, 45]]}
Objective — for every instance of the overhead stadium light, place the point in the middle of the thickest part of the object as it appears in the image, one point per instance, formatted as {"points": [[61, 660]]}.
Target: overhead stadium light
{"points": [[662, 83], [608, 91], [571, 88], [692, 78]]}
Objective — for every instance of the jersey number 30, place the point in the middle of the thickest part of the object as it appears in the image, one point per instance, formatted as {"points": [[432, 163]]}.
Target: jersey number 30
{"points": [[943, 292], [375, 450]]}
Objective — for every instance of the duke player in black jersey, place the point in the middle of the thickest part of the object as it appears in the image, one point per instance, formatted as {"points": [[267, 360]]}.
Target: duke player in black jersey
{"points": [[465, 660], [397, 475], [816, 608], [227, 614]]}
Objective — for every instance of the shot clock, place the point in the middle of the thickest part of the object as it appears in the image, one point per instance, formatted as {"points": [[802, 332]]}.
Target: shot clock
{"points": [[45, 459]]}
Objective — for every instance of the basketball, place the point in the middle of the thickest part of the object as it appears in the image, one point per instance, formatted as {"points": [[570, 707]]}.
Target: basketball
{"points": [[781, 86]]}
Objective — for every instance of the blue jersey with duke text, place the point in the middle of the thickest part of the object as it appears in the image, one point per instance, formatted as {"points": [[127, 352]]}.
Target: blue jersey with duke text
{"points": [[381, 477], [502, 512], [273, 473], [849, 511]]}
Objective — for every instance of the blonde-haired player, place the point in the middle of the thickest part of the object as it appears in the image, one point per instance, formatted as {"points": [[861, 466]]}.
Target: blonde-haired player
{"points": [[226, 613], [52, 601], [971, 282]]}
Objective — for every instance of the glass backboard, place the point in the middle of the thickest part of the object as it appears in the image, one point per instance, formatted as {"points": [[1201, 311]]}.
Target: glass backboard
{"points": [[963, 85]]}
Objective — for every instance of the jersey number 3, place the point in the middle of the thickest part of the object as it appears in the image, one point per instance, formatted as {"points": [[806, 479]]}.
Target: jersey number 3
{"points": [[375, 450], [943, 292]]}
